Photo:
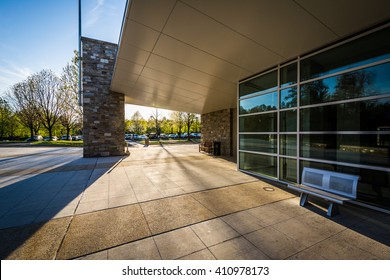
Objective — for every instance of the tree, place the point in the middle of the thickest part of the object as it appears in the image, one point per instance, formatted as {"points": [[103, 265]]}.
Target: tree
{"points": [[24, 102], [137, 121], [71, 113], [155, 117], [49, 103], [189, 118], [5, 118], [178, 121]]}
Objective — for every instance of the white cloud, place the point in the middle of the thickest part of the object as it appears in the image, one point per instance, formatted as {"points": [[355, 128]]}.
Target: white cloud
{"points": [[95, 13], [11, 74]]}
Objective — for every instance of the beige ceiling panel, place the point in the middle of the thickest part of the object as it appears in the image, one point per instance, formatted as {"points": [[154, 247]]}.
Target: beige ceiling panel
{"points": [[174, 81], [281, 26], [133, 54], [128, 66], [183, 72], [125, 78], [152, 13], [348, 16], [202, 32], [146, 37], [185, 54]]}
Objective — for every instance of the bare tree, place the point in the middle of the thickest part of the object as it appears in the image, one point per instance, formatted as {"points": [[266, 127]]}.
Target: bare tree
{"points": [[23, 99], [49, 103], [71, 113], [189, 118], [157, 121]]}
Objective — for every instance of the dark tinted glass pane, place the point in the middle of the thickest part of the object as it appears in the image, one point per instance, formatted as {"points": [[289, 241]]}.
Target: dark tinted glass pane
{"points": [[262, 103], [261, 164], [288, 170], [288, 75], [288, 121], [259, 123], [259, 84], [366, 82], [288, 145], [259, 143], [288, 98], [358, 52], [359, 149], [373, 186], [370, 115]]}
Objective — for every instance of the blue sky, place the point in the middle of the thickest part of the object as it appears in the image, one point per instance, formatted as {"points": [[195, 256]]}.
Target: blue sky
{"points": [[42, 34]]}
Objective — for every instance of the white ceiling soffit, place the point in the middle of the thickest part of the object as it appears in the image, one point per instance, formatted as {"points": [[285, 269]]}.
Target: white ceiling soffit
{"points": [[188, 55]]}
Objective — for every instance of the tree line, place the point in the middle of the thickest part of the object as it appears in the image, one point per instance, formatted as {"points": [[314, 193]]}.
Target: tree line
{"points": [[176, 123], [43, 102]]}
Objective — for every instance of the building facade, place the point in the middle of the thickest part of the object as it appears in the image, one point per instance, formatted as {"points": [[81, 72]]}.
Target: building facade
{"points": [[328, 109]]}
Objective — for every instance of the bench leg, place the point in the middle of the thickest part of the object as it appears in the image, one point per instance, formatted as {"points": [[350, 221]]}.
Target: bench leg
{"points": [[303, 200], [333, 209]]}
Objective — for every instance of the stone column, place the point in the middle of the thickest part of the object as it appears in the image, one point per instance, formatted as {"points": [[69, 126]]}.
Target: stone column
{"points": [[103, 110], [220, 126]]}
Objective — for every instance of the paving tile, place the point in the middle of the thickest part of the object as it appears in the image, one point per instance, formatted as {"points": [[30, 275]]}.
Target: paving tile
{"points": [[366, 243], [306, 231], [214, 231], [33, 242], [336, 248], [268, 215], [92, 206], [178, 243], [121, 200], [100, 230], [174, 212], [145, 249], [237, 249], [19, 219], [243, 222], [275, 244], [103, 255], [204, 254]]}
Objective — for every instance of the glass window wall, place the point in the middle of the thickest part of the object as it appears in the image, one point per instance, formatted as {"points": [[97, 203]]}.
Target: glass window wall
{"points": [[333, 115]]}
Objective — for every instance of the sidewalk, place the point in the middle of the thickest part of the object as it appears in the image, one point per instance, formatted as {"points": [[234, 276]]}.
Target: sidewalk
{"points": [[169, 202]]}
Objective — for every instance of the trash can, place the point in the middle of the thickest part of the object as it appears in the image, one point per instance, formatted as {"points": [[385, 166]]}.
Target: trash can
{"points": [[147, 141], [217, 148]]}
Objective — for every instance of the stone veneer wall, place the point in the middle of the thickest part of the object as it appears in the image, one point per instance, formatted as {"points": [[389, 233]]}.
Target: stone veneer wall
{"points": [[104, 110], [219, 126]]}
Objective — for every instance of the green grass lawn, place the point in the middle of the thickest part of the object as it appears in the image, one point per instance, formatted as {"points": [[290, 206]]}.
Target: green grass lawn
{"points": [[59, 143]]}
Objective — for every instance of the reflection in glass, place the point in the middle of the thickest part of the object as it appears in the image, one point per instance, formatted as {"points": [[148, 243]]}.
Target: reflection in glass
{"points": [[288, 145], [361, 51], [259, 123], [265, 143], [366, 115], [366, 82], [288, 75], [288, 121], [373, 185], [261, 164], [288, 169], [288, 98], [359, 149], [262, 103], [259, 84]]}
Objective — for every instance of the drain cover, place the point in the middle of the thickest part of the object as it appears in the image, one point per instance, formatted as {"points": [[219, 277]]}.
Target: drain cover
{"points": [[268, 189]]}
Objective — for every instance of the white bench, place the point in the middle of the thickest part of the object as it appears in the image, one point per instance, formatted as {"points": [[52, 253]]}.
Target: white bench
{"points": [[334, 187]]}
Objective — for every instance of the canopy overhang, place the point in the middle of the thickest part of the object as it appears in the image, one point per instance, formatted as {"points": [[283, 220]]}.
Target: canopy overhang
{"points": [[188, 55]]}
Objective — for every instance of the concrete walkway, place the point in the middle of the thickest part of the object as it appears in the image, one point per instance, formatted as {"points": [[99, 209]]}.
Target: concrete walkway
{"points": [[166, 202]]}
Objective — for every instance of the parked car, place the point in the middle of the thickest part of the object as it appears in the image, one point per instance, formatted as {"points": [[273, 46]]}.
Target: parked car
{"points": [[64, 137], [53, 138], [173, 136], [35, 138], [77, 138]]}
